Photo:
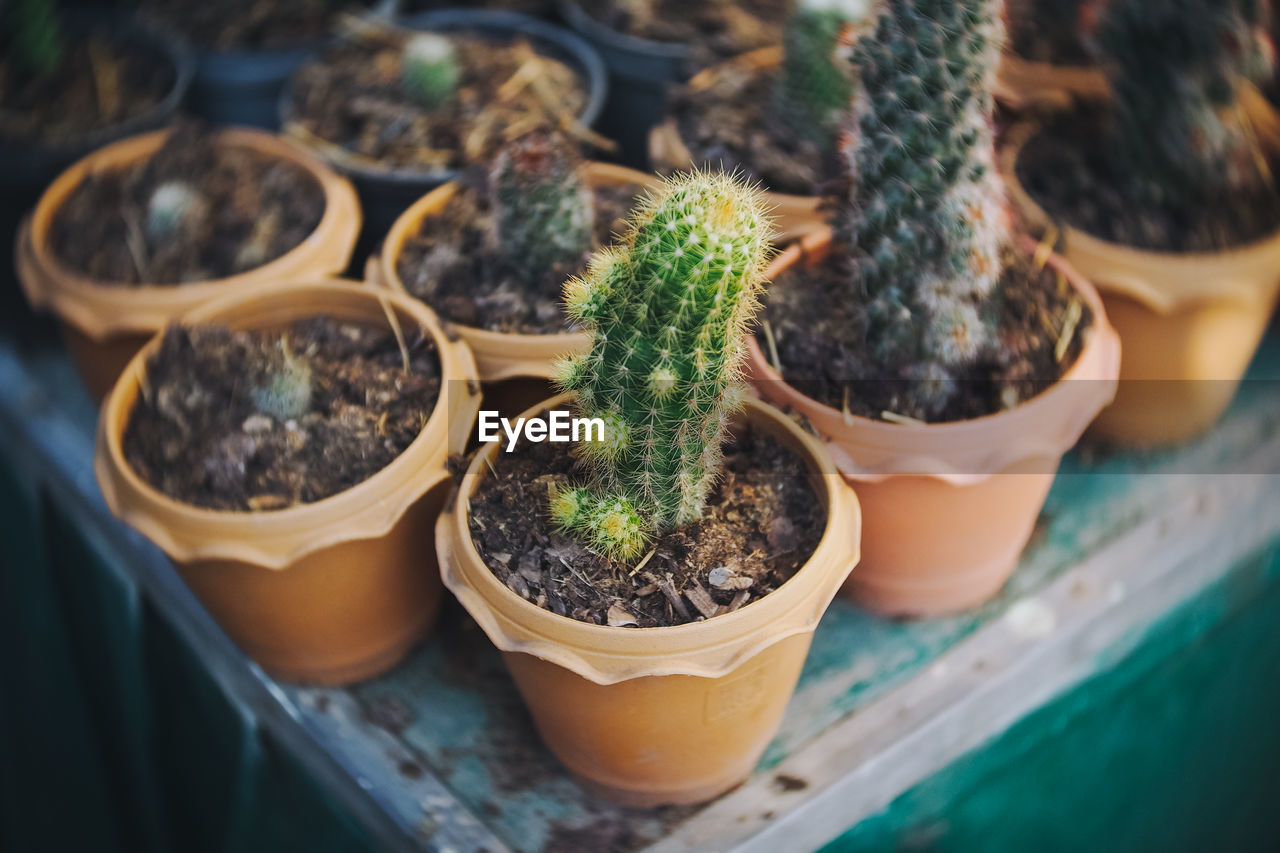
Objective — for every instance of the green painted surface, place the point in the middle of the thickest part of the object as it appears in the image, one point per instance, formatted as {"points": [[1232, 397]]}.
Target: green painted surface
{"points": [[454, 706], [1175, 746]]}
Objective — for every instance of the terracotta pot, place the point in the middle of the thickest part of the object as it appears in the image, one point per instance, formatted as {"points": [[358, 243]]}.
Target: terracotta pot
{"points": [[1190, 322], [659, 715], [1025, 85], [499, 356], [328, 592], [795, 216], [947, 508], [106, 323]]}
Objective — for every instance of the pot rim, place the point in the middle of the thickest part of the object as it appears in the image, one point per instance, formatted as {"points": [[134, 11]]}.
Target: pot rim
{"points": [[501, 355], [927, 446], [275, 539], [1162, 280], [591, 71], [578, 19], [710, 648], [101, 309]]}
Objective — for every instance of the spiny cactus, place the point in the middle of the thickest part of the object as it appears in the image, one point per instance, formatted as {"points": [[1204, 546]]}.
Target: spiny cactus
{"points": [[668, 311], [543, 210], [429, 69], [172, 205], [35, 34], [926, 219], [815, 87], [1178, 69], [285, 392]]}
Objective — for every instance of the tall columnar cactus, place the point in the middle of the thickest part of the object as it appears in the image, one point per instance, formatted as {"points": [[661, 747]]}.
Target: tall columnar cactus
{"points": [[1178, 70], [543, 210], [669, 311], [816, 86], [429, 69], [926, 219]]}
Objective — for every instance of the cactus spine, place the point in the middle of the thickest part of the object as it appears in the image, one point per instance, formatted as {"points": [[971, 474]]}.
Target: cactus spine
{"points": [[543, 210], [926, 218], [285, 391], [668, 311], [815, 87], [173, 206], [1179, 71], [429, 69]]}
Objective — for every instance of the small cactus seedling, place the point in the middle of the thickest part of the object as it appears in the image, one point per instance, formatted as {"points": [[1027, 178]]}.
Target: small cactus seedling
{"points": [[172, 207], [285, 392], [36, 38], [1179, 71], [925, 220], [816, 86], [429, 69], [543, 210], [668, 311]]}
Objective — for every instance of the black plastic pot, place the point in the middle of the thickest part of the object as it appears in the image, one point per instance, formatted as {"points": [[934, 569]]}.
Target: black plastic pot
{"points": [[640, 73], [243, 86], [386, 193], [27, 167]]}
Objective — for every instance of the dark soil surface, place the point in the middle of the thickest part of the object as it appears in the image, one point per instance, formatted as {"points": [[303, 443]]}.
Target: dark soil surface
{"points": [[267, 420], [247, 24], [244, 210], [101, 81], [1035, 38], [824, 355], [762, 523], [714, 30], [451, 265], [734, 125], [1067, 170], [352, 96]]}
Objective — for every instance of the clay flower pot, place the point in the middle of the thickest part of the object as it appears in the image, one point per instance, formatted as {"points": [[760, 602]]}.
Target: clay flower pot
{"points": [[649, 716], [794, 216], [947, 508], [499, 356], [327, 592], [1190, 322], [1022, 84], [106, 323]]}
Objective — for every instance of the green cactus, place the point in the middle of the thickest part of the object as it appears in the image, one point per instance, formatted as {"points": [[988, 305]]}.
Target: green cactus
{"points": [[35, 35], [1177, 69], [668, 311], [285, 392], [172, 205], [815, 87], [429, 69], [543, 210], [925, 220]]}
